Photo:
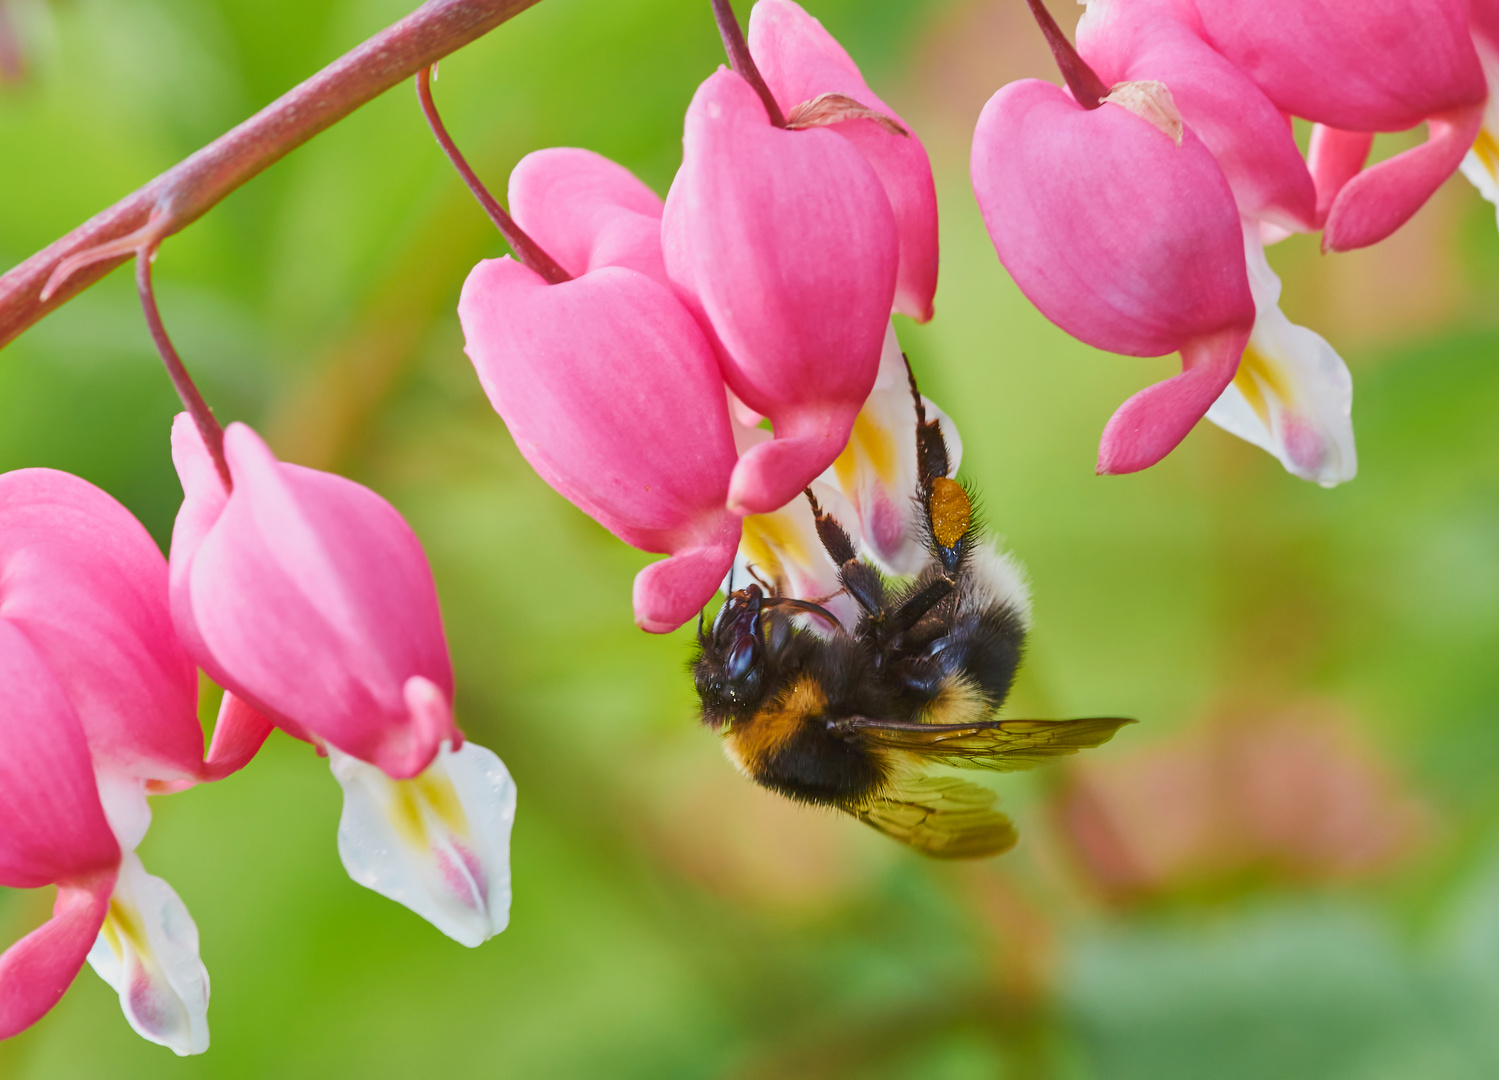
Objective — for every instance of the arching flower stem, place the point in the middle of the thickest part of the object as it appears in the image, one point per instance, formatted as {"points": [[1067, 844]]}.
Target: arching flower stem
{"points": [[526, 249], [741, 60], [1087, 88], [192, 400]]}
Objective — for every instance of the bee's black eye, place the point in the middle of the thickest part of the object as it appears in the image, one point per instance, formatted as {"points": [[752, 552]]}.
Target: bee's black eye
{"points": [[740, 659]]}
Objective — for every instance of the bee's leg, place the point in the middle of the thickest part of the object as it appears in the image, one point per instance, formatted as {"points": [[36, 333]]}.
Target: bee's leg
{"points": [[860, 579], [918, 604], [945, 506], [931, 448]]}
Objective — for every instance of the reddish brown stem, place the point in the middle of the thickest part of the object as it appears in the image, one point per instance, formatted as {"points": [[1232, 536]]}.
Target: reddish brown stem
{"points": [[526, 249], [185, 192], [1087, 88], [741, 60], [208, 424]]}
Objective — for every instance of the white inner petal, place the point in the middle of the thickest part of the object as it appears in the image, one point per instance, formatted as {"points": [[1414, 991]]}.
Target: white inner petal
{"points": [[438, 843], [148, 951], [1292, 396], [876, 473]]}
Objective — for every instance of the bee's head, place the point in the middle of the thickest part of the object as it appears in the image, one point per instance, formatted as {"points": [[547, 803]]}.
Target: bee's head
{"points": [[730, 672]]}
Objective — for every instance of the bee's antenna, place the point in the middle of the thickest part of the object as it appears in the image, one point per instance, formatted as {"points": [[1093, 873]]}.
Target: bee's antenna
{"points": [[731, 579], [915, 393], [700, 615]]}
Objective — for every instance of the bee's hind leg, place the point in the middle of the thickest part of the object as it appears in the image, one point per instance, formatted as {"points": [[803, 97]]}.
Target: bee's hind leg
{"points": [[947, 511]]}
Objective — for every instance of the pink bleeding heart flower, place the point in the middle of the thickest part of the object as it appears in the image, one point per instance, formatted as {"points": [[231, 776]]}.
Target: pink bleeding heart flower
{"points": [[784, 244], [606, 382], [1156, 40], [1119, 226], [308, 597], [85, 607], [808, 72], [1386, 65]]}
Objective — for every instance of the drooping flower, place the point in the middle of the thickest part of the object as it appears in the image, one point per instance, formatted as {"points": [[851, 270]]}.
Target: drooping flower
{"points": [[816, 82], [102, 711], [784, 243], [1292, 392], [606, 382], [1119, 226], [1385, 65], [308, 597]]}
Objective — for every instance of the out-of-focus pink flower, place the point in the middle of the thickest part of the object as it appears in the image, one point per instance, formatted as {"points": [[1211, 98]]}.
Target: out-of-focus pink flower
{"points": [[1118, 224], [1385, 65], [783, 242], [1296, 798], [1140, 40], [84, 610], [308, 597], [801, 62]]}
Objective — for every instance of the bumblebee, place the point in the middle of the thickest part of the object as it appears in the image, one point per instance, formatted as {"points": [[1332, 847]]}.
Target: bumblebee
{"points": [[852, 718]]}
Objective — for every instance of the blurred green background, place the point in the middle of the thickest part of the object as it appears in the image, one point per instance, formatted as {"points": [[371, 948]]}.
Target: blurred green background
{"points": [[1290, 868]]}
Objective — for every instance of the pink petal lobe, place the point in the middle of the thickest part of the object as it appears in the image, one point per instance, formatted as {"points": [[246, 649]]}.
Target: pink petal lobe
{"points": [[1119, 236], [87, 585], [612, 393], [801, 61], [784, 243], [587, 212], [1150, 424], [670, 592], [767, 475], [1383, 197], [1334, 158], [1382, 65], [1134, 40], [54, 826], [238, 735], [36, 971]]}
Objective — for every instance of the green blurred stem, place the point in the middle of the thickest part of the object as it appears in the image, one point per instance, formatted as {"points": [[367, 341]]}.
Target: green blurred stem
{"points": [[1087, 88], [741, 60], [527, 250], [188, 190], [187, 390]]}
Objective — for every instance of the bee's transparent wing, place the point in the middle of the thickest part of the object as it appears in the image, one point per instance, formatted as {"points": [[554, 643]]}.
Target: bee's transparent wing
{"points": [[1002, 745], [941, 816]]}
